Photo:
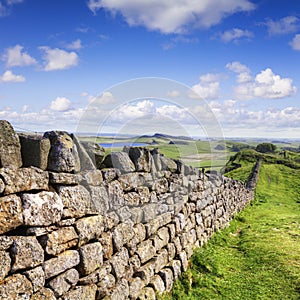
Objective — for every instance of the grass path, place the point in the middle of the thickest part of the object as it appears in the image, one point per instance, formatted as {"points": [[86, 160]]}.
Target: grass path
{"points": [[258, 255]]}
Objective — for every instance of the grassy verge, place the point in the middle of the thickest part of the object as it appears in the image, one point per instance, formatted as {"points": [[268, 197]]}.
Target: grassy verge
{"points": [[258, 255]]}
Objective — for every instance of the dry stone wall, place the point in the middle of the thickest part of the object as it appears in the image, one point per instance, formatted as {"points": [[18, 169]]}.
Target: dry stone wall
{"points": [[69, 230]]}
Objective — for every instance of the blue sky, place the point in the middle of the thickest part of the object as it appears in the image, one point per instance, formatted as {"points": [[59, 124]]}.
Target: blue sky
{"points": [[62, 61]]}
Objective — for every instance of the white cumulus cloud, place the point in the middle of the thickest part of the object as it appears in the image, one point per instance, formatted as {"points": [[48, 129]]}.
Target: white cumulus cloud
{"points": [[172, 16], [15, 56], [295, 43], [285, 25], [265, 84], [207, 88], [235, 34], [75, 45], [104, 98], [58, 59], [60, 104], [9, 76]]}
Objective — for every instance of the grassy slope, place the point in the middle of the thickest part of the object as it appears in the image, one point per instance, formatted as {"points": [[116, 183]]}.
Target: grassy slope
{"points": [[258, 256]]}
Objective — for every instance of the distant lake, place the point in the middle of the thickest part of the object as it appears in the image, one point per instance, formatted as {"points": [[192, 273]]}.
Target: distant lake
{"points": [[122, 144]]}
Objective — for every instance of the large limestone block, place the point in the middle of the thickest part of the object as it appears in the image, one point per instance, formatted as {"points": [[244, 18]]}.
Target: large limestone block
{"points": [[63, 155], [141, 158], [60, 240], [41, 209], [16, 286], [86, 163], [119, 263], [10, 213], [35, 150], [26, 253], [95, 151], [43, 294], [10, 149], [99, 199], [76, 200], [61, 263], [24, 179], [119, 160], [89, 228], [91, 258]]}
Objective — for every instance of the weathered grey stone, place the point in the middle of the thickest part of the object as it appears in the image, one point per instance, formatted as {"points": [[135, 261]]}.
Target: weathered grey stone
{"points": [[167, 276], [132, 199], [137, 214], [160, 186], [64, 178], [105, 286], [130, 181], [145, 251], [140, 158], [91, 258], [115, 194], [144, 194], [5, 262], [5, 242], [111, 220], [161, 260], [43, 294], [61, 263], [157, 284], [89, 228], [41, 209], [99, 199], [59, 240], [119, 263], [168, 164], [110, 174], [156, 158], [122, 234], [124, 213], [121, 291], [92, 177], [134, 262], [10, 213], [161, 238], [95, 151], [76, 200], [146, 272], [87, 292], [86, 163], [139, 236], [119, 160], [171, 250], [26, 253], [16, 286], [147, 294], [184, 260], [24, 179], [176, 268], [36, 277], [63, 282], [135, 286], [97, 276], [35, 150], [10, 149], [63, 155], [107, 244]]}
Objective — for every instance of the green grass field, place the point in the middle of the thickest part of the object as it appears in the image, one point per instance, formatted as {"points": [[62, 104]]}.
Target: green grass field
{"points": [[258, 255]]}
